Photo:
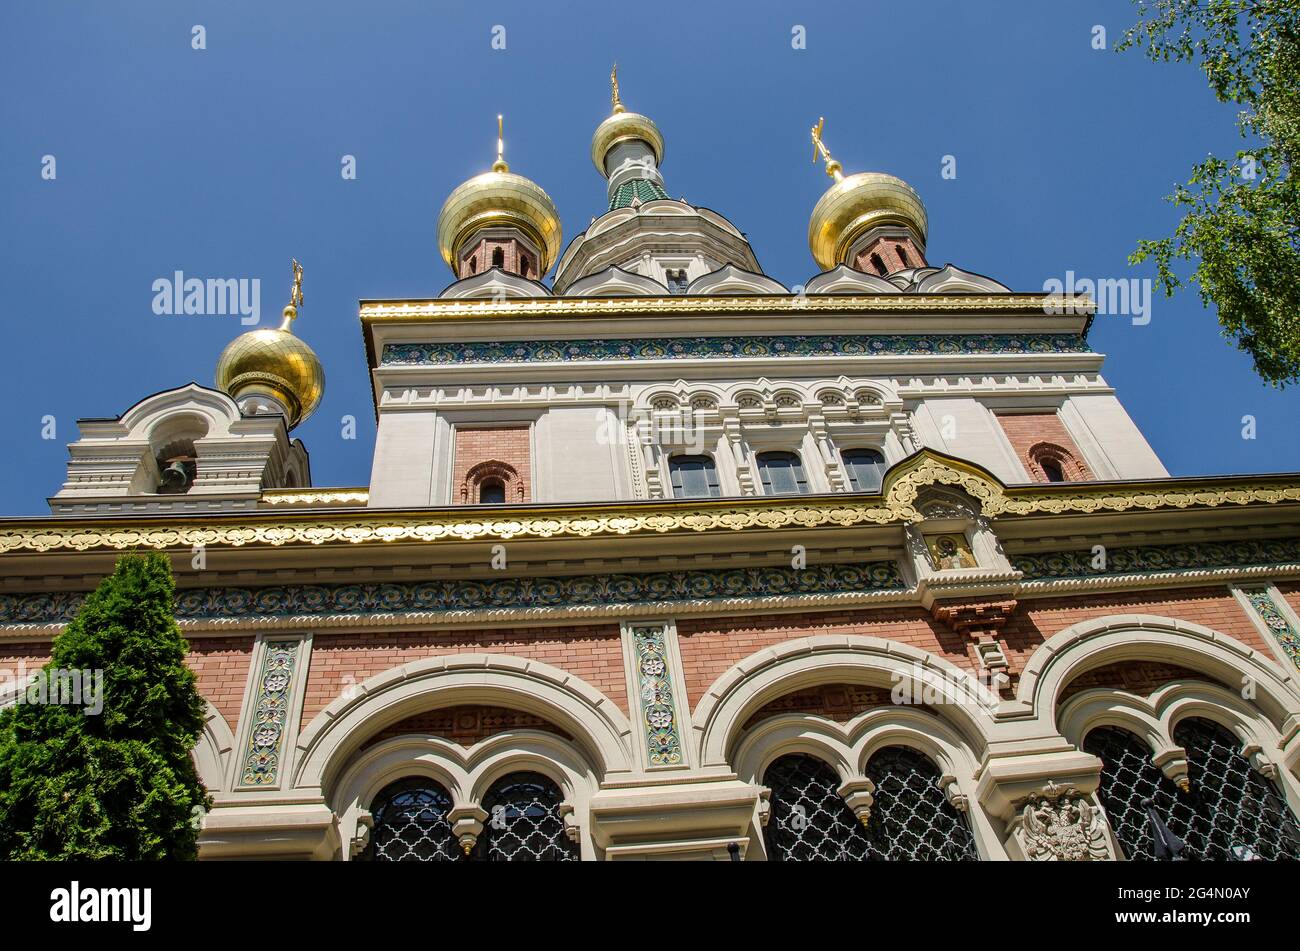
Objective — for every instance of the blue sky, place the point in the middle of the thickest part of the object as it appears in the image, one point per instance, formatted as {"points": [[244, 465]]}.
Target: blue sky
{"points": [[225, 162]]}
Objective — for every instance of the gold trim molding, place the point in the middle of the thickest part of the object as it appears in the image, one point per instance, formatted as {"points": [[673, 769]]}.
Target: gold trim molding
{"points": [[904, 485], [358, 496], [385, 311]]}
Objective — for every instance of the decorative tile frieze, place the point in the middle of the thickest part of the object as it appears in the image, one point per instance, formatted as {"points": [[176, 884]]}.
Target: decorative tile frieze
{"points": [[270, 713], [654, 686], [726, 348], [1193, 556], [1275, 621], [508, 593]]}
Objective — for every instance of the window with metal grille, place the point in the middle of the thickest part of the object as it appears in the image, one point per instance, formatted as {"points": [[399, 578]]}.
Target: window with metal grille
{"points": [[782, 474], [809, 821], [866, 469], [1236, 809], [694, 477], [411, 824], [1128, 778], [1231, 811], [523, 822], [911, 817]]}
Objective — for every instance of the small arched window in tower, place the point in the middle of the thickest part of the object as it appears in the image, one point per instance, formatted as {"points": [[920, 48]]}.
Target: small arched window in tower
{"points": [[525, 266], [498, 258], [902, 255], [865, 468], [878, 263], [491, 492], [524, 823], [473, 264], [1052, 470]]}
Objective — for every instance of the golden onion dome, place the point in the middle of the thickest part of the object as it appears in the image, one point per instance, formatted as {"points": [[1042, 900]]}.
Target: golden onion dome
{"points": [[854, 205], [625, 126], [275, 363], [499, 198]]}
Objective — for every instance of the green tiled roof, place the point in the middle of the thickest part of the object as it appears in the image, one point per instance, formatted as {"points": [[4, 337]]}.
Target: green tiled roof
{"points": [[642, 189]]}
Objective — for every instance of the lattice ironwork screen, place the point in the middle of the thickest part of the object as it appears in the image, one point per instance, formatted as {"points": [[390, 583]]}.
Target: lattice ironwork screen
{"points": [[911, 817], [411, 824], [809, 821], [1234, 805], [1230, 804], [1128, 777], [524, 822]]}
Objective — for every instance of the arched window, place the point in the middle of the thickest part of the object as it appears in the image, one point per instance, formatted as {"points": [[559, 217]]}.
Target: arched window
{"points": [[902, 255], [473, 264], [866, 469], [491, 492], [1052, 470], [782, 474], [879, 264], [1236, 809], [1129, 778], [809, 821], [523, 822], [525, 265], [411, 824], [911, 817], [1229, 806], [694, 477], [498, 258]]}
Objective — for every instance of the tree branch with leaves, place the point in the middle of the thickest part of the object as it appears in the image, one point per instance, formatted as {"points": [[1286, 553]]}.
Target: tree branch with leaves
{"points": [[1241, 225]]}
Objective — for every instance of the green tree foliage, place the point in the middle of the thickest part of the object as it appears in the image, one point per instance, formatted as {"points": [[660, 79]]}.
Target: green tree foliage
{"points": [[121, 784], [1242, 220]]}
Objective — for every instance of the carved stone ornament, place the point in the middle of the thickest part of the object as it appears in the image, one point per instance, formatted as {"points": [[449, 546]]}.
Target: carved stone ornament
{"points": [[1060, 825]]}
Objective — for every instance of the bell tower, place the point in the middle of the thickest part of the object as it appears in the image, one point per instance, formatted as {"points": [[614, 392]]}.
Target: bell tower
{"points": [[870, 221], [499, 220]]}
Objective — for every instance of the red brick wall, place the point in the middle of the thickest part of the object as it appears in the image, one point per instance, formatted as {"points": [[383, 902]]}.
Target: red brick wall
{"points": [[887, 249], [838, 702], [709, 646], [221, 666], [1037, 620], [33, 656], [594, 653], [1142, 677], [516, 259], [507, 445], [1027, 430], [466, 725]]}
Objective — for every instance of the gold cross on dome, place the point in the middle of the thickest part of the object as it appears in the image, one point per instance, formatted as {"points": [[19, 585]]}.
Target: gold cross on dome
{"points": [[500, 164], [295, 292], [833, 168], [613, 94]]}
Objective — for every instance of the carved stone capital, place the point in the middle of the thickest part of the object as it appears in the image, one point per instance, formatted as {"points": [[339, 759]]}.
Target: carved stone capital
{"points": [[1173, 763], [860, 794], [467, 825]]}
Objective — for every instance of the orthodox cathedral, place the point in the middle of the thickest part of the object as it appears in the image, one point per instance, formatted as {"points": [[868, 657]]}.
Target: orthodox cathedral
{"points": [[665, 560]]}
